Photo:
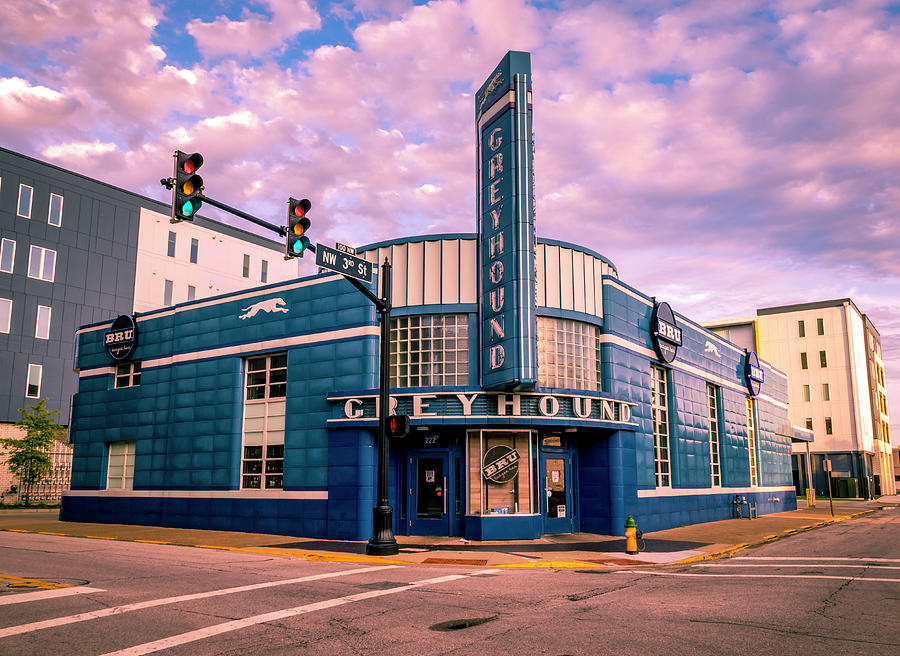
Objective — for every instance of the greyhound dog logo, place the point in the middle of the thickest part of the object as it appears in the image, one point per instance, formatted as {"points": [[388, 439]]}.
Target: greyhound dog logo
{"points": [[268, 305], [495, 82], [711, 348]]}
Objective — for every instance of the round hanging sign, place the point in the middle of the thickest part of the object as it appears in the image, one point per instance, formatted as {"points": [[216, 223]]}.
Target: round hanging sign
{"points": [[121, 338], [500, 464], [664, 333], [754, 375]]}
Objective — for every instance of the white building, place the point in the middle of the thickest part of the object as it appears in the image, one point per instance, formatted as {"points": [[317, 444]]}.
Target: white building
{"points": [[831, 353]]}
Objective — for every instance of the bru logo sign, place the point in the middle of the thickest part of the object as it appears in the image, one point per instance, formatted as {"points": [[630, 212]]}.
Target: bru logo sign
{"points": [[506, 226], [500, 464], [121, 339], [664, 333], [754, 375]]}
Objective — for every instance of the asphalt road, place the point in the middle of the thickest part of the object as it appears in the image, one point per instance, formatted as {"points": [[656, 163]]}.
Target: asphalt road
{"points": [[835, 589]]}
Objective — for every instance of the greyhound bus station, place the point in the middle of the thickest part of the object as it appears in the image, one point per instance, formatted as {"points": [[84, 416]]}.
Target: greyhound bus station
{"points": [[545, 394]]}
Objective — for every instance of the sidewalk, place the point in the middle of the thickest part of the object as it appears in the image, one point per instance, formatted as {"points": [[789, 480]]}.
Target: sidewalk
{"points": [[578, 550]]}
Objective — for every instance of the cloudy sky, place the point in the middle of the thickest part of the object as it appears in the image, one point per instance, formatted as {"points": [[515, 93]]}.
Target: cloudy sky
{"points": [[726, 156]]}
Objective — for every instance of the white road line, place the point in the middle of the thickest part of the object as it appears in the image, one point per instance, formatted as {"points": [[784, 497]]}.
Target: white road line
{"points": [[45, 594], [758, 576], [821, 558], [117, 610], [785, 565], [225, 627]]}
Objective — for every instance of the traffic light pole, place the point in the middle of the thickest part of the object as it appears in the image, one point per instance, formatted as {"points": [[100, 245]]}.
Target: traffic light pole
{"points": [[383, 542], [265, 224]]}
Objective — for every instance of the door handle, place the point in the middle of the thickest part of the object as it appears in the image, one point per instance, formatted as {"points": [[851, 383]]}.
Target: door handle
{"points": [[445, 495]]}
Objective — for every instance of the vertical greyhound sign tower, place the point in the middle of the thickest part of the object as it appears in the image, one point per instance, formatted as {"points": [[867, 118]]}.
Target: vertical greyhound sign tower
{"points": [[508, 339]]}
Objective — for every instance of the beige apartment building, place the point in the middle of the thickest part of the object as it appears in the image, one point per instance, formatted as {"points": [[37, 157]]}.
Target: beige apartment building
{"points": [[831, 353]]}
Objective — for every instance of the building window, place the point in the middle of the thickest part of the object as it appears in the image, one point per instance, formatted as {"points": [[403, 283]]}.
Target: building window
{"points": [[826, 392], [823, 361], [33, 384], [660, 407], [167, 292], [430, 350], [5, 315], [246, 269], [7, 255], [806, 392], [820, 326], [751, 441], [804, 364], [195, 245], [568, 354], [264, 271], [262, 465], [828, 429], [42, 322], [192, 293], [801, 328], [128, 374], [712, 405], [809, 423], [120, 466], [42, 263], [24, 206], [54, 217], [170, 251], [490, 497]]}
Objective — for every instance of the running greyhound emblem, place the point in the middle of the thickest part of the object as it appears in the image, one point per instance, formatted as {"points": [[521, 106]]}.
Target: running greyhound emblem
{"points": [[495, 82], [268, 305], [711, 348]]}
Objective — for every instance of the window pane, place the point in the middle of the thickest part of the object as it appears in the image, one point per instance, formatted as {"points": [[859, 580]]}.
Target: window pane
{"points": [[5, 314], [194, 247], [170, 251], [56, 204], [7, 255], [33, 387], [42, 324], [34, 261], [49, 269], [167, 292], [24, 207]]}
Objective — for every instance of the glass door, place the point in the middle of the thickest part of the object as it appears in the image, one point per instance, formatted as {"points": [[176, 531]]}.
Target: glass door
{"points": [[558, 508], [428, 501]]}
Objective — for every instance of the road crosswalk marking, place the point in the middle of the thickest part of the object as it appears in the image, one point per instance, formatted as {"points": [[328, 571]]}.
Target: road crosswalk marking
{"points": [[225, 627], [861, 579], [40, 595], [140, 605]]}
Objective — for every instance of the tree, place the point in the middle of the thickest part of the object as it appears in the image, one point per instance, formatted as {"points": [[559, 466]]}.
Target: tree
{"points": [[28, 458]]}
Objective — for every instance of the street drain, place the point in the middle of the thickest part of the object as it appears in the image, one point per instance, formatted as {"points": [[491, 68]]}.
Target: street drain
{"points": [[455, 625]]}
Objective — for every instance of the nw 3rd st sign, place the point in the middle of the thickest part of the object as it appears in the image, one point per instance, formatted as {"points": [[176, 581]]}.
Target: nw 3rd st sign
{"points": [[350, 265]]}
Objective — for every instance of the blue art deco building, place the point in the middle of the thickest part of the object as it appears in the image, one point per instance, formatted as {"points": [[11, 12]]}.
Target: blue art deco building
{"points": [[545, 394]]}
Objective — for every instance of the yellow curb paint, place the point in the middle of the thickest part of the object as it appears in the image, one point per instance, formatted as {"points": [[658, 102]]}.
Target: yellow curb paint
{"points": [[553, 564], [16, 530], [99, 537], [152, 541], [67, 535], [33, 583]]}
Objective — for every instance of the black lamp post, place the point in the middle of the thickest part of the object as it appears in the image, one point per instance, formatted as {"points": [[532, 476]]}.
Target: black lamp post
{"points": [[382, 542]]}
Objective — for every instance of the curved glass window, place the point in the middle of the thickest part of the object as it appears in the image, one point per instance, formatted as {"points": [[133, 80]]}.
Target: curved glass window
{"points": [[430, 350], [568, 354]]}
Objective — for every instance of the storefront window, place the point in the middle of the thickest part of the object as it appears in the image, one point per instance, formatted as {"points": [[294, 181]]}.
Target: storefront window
{"points": [[431, 350], [568, 354], [499, 472]]}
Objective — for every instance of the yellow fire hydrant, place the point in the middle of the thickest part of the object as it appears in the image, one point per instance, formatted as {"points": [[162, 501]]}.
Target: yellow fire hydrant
{"points": [[631, 536]]}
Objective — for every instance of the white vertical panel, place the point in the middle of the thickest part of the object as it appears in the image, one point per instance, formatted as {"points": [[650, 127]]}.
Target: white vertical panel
{"points": [[398, 275], [414, 282], [552, 275], [468, 271], [450, 271], [432, 267], [565, 279], [540, 278], [598, 289], [589, 264], [578, 280]]}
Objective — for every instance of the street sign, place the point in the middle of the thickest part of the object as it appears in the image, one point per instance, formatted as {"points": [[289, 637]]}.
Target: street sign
{"points": [[349, 265]]}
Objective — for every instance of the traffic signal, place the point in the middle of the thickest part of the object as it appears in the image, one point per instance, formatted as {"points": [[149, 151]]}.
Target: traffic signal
{"points": [[398, 425], [186, 195], [296, 242]]}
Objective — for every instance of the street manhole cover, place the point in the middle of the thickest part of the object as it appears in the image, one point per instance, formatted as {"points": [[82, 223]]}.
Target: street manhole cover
{"points": [[455, 625]]}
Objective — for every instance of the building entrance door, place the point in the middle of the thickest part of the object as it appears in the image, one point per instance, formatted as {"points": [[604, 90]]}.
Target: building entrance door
{"points": [[558, 508], [428, 500]]}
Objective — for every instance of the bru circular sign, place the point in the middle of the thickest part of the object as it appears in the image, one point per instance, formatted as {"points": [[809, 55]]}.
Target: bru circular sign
{"points": [[664, 333], [754, 375], [121, 338], [500, 464]]}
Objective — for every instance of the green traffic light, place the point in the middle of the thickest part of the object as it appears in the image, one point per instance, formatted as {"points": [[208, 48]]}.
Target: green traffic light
{"points": [[190, 207]]}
